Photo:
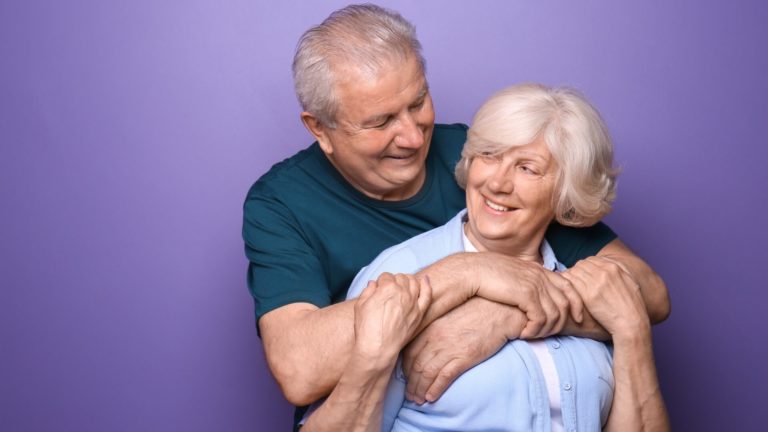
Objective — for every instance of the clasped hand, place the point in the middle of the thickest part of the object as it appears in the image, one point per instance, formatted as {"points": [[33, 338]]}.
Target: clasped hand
{"points": [[535, 304], [388, 314]]}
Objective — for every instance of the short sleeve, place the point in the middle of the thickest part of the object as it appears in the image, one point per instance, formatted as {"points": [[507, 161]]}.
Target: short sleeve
{"points": [[573, 244], [283, 267]]}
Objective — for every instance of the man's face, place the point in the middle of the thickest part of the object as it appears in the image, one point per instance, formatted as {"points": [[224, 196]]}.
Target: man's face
{"points": [[384, 127]]}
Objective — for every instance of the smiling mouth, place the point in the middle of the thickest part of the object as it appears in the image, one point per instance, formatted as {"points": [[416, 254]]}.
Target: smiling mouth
{"points": [[497, 207], [401, 157]]}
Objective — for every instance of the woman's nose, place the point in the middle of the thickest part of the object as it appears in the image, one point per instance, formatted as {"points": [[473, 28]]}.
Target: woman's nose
{"points": [[502, 180]]}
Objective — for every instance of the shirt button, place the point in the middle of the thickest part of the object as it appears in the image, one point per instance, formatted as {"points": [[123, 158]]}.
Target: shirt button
{"points": [[567, 386], [555, 345]]}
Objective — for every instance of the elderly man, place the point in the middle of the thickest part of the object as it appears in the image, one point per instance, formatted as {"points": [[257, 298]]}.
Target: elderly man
{"points": [[381, 172]]}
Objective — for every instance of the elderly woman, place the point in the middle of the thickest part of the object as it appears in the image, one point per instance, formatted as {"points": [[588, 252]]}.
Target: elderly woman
{"points": [[533, 155]]}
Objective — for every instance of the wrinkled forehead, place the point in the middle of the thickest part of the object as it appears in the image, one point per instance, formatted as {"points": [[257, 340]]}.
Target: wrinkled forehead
{"points": [[395, 84]]}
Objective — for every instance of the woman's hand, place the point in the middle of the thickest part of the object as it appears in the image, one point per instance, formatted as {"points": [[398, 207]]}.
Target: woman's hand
{"points": [[388, 314]]}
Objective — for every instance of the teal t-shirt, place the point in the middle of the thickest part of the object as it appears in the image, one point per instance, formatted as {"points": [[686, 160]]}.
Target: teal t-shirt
{"points": [[307, 231]]}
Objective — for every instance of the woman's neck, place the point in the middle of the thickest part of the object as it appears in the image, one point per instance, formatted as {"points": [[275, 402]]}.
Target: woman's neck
{"points": [[526, 249]]}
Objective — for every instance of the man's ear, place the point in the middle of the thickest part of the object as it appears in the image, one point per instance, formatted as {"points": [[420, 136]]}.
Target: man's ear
{"points": [[318, 130]]}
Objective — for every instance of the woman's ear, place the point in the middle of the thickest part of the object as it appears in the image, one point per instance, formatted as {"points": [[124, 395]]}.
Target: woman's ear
{"points": [[318, 130]]}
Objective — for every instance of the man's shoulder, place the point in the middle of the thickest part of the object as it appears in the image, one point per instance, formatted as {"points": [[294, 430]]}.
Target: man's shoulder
{"points": [[291, 173], [447, 142], [455, 133]]}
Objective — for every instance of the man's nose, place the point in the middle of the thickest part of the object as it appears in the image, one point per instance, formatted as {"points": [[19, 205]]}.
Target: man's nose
{"points": [[409, 134]]}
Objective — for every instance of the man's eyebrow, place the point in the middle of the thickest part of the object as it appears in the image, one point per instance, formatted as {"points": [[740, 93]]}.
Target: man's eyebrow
{"points": [[423, 92]]}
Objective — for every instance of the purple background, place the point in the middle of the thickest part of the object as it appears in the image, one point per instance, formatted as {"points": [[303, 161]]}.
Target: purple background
{"points": [[129, 134]]}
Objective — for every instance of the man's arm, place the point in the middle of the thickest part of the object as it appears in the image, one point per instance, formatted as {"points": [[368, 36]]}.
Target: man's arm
{"points": [[448, 348], [620, 308], [307, 347]]}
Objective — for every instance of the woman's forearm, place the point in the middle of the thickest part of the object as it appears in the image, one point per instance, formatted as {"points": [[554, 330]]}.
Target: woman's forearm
{"points": [[355, 404]]}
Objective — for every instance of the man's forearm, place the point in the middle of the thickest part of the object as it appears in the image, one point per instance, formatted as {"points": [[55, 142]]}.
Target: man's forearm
{"points": [[307, 348], [637, 401]]}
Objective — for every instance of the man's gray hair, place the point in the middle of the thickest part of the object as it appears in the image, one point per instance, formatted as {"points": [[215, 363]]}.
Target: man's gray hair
{"points": [[366, 36]]}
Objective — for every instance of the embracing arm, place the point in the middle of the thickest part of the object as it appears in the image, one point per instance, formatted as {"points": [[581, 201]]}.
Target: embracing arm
{"points": [[620, 309], [436, 357], [307, 347]]}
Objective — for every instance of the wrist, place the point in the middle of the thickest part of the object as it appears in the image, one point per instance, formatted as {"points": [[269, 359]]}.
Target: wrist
{"points": [[634, 335], [372, 361]]}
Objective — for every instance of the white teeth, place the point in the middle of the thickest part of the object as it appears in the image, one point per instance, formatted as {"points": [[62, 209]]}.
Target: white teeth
{"points": [[496, 206]]}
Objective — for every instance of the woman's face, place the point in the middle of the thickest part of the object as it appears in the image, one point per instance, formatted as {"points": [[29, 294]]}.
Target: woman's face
{"points": [[509, 199]]}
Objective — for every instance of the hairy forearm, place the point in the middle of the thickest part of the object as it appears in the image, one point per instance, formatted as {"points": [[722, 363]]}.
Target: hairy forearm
{"points": [[637, 401], [307, 348], [452, 284], [355, 404], [588, 328], [652, 287]]}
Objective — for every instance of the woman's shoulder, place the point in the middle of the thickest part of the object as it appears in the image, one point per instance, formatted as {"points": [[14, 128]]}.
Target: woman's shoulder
{"points": [[413, 254]]}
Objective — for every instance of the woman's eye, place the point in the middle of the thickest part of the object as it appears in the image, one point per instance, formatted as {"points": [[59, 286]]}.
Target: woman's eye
{"points": [[490, 157], [528, 170]]}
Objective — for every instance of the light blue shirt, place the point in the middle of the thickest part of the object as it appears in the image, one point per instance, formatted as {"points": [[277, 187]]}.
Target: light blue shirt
{"points": [[507, 392]]}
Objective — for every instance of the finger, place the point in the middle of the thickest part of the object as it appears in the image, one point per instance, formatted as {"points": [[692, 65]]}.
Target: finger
{"points": [[409, 285], [422, 374], [616, 262], [412, 352], [536, 320], [425, 295], [367, 292], [444, 379], [563, 305], [575, 302], [429, 373], [551, 312]]}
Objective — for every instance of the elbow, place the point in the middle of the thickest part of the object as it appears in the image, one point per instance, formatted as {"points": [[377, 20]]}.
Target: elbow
{"points": [[662, 306], [296, 386]]}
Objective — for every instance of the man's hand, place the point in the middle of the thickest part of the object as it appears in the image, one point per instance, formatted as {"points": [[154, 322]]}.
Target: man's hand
{"points": [[455, 343], [546, 298]]}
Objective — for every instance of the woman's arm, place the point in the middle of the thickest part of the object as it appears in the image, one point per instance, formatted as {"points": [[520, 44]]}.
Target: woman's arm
{"points": [[387, 315], [620, 309]]}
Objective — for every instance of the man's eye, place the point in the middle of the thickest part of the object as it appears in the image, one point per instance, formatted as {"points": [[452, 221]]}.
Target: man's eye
{"points": [[382, 124], [418, 105]]}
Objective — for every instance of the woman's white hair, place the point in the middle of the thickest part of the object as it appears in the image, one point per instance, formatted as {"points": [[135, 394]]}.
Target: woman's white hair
{"points": [[366, 37], [574, 133]]}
